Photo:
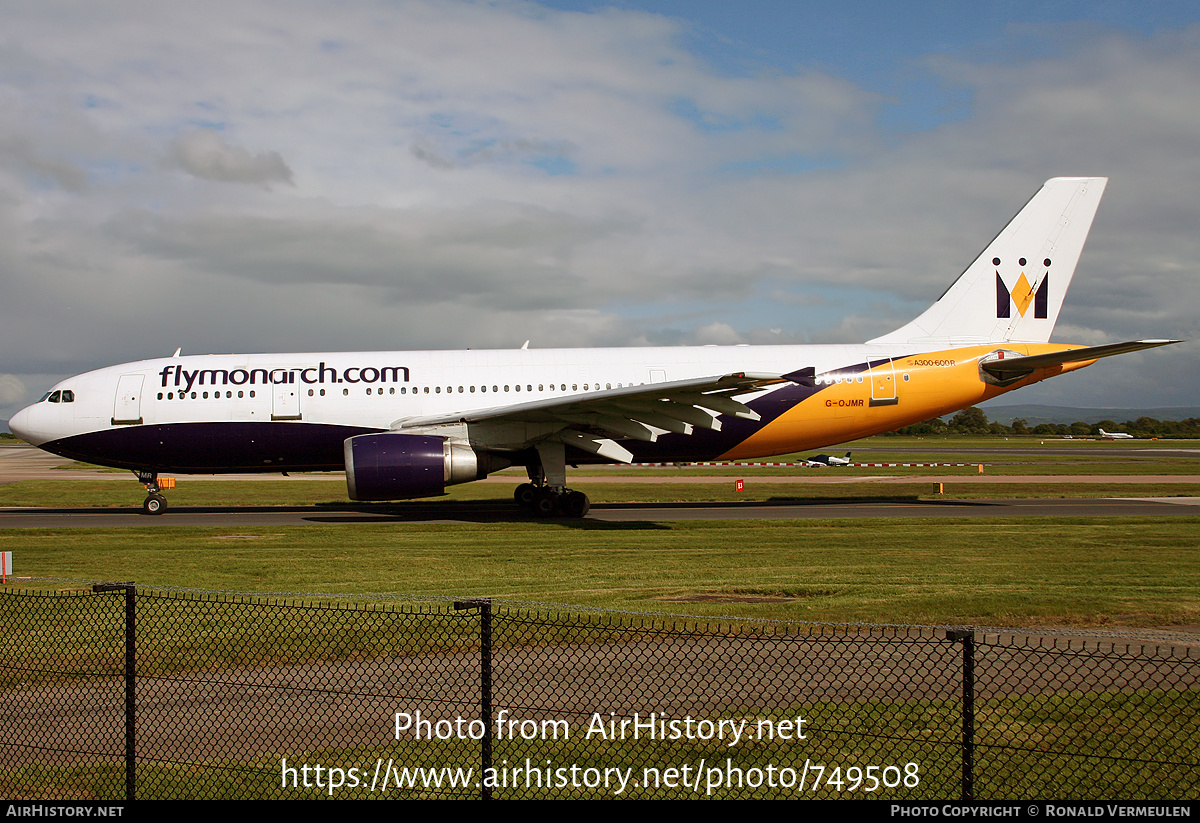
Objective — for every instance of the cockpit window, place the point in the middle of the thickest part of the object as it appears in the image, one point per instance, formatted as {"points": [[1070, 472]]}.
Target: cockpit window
{"points": [[55, 397], [68, 396]]}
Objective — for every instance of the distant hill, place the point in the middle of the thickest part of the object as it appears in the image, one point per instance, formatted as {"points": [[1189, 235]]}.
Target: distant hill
{"points": [[1035, 414]]}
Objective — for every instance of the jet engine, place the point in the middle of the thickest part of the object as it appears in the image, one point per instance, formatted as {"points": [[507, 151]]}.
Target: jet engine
{"points": [[399, 466]]}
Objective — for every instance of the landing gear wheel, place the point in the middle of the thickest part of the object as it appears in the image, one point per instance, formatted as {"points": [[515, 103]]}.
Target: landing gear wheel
{"points": [[154, 504], [575, 504], [525, 494], [545, 503]]}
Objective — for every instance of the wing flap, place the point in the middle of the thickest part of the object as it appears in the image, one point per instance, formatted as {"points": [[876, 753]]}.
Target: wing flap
{"points": [[712, 393], [594, 421], [604, 447]]}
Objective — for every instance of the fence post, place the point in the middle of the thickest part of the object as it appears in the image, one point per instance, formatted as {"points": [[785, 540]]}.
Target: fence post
{"points": [[485, 686], [967, 638], [130, 669]]}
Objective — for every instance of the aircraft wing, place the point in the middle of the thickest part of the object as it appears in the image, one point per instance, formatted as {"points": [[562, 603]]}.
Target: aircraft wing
{"points": [[1009, 368], [594, 421]]}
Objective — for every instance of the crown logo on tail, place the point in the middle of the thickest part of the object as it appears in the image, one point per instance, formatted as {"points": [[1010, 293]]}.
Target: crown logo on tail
{"points": [[1023, 293]]}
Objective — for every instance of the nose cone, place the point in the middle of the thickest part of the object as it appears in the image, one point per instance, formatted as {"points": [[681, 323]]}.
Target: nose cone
{"points": [[24, 425]]}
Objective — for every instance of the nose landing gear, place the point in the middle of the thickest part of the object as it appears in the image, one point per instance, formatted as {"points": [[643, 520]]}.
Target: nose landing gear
{"points": [[154, 503]]}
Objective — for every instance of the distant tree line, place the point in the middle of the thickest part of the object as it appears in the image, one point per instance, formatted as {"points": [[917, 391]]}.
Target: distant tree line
{"points": [[974, 421]]}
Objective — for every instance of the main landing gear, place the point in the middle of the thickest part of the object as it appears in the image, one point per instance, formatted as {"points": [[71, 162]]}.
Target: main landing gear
{"points": [[546, 501], [154, 503], [546, 493]]}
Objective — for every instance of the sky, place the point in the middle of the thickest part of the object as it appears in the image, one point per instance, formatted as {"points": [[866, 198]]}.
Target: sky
{"points": [[321, 175]]}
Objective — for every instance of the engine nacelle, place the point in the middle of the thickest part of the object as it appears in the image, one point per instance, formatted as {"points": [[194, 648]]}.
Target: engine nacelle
{"points": [[399, 466]]}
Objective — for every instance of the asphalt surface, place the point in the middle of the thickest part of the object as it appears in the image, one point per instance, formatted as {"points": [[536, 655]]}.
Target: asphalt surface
{"points": [[23, 463], [492, 512]]}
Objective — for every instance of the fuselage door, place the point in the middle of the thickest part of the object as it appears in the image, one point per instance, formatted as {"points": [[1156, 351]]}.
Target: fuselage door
{"points": [[285, 403], [883, 384], [127, 409]]}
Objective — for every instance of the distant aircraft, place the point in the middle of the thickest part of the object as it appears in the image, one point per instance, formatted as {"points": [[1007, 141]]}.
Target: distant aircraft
{"points": [[409, 424], [1114, 435], [822, 460]]}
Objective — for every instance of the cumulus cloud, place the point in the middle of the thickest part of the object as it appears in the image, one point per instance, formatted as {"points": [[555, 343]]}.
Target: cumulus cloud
{"points": [[20, 154], [717, 334], [552, 156], [476, 174], [204, 154], [12, 390]]}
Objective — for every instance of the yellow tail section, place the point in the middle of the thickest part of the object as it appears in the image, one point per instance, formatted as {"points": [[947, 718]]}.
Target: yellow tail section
{"points": [[891, 393]]}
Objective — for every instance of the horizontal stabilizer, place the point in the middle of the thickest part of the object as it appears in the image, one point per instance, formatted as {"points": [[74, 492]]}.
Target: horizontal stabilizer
{"points": [[1013, 368]]}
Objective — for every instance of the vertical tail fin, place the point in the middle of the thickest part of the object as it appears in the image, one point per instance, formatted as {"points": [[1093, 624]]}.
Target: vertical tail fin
{"points": [[1015, 288]]}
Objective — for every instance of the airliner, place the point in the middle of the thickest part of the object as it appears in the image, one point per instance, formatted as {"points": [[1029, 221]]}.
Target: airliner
{"points": [[408, 424], [1115, 435]]}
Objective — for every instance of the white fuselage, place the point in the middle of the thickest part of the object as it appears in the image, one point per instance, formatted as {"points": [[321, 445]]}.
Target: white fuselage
{"points": [[372, 390]]}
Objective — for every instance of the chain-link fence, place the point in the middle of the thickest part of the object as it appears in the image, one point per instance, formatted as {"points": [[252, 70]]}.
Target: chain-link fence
{"points": [[117, 693]]}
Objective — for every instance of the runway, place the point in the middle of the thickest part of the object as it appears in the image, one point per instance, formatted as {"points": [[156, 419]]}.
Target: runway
{"points": [[23, 463], [611, 513]]}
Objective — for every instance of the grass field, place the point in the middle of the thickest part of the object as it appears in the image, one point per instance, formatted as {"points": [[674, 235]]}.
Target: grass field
{"points": [[1110, 571], [1094, 572]]}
